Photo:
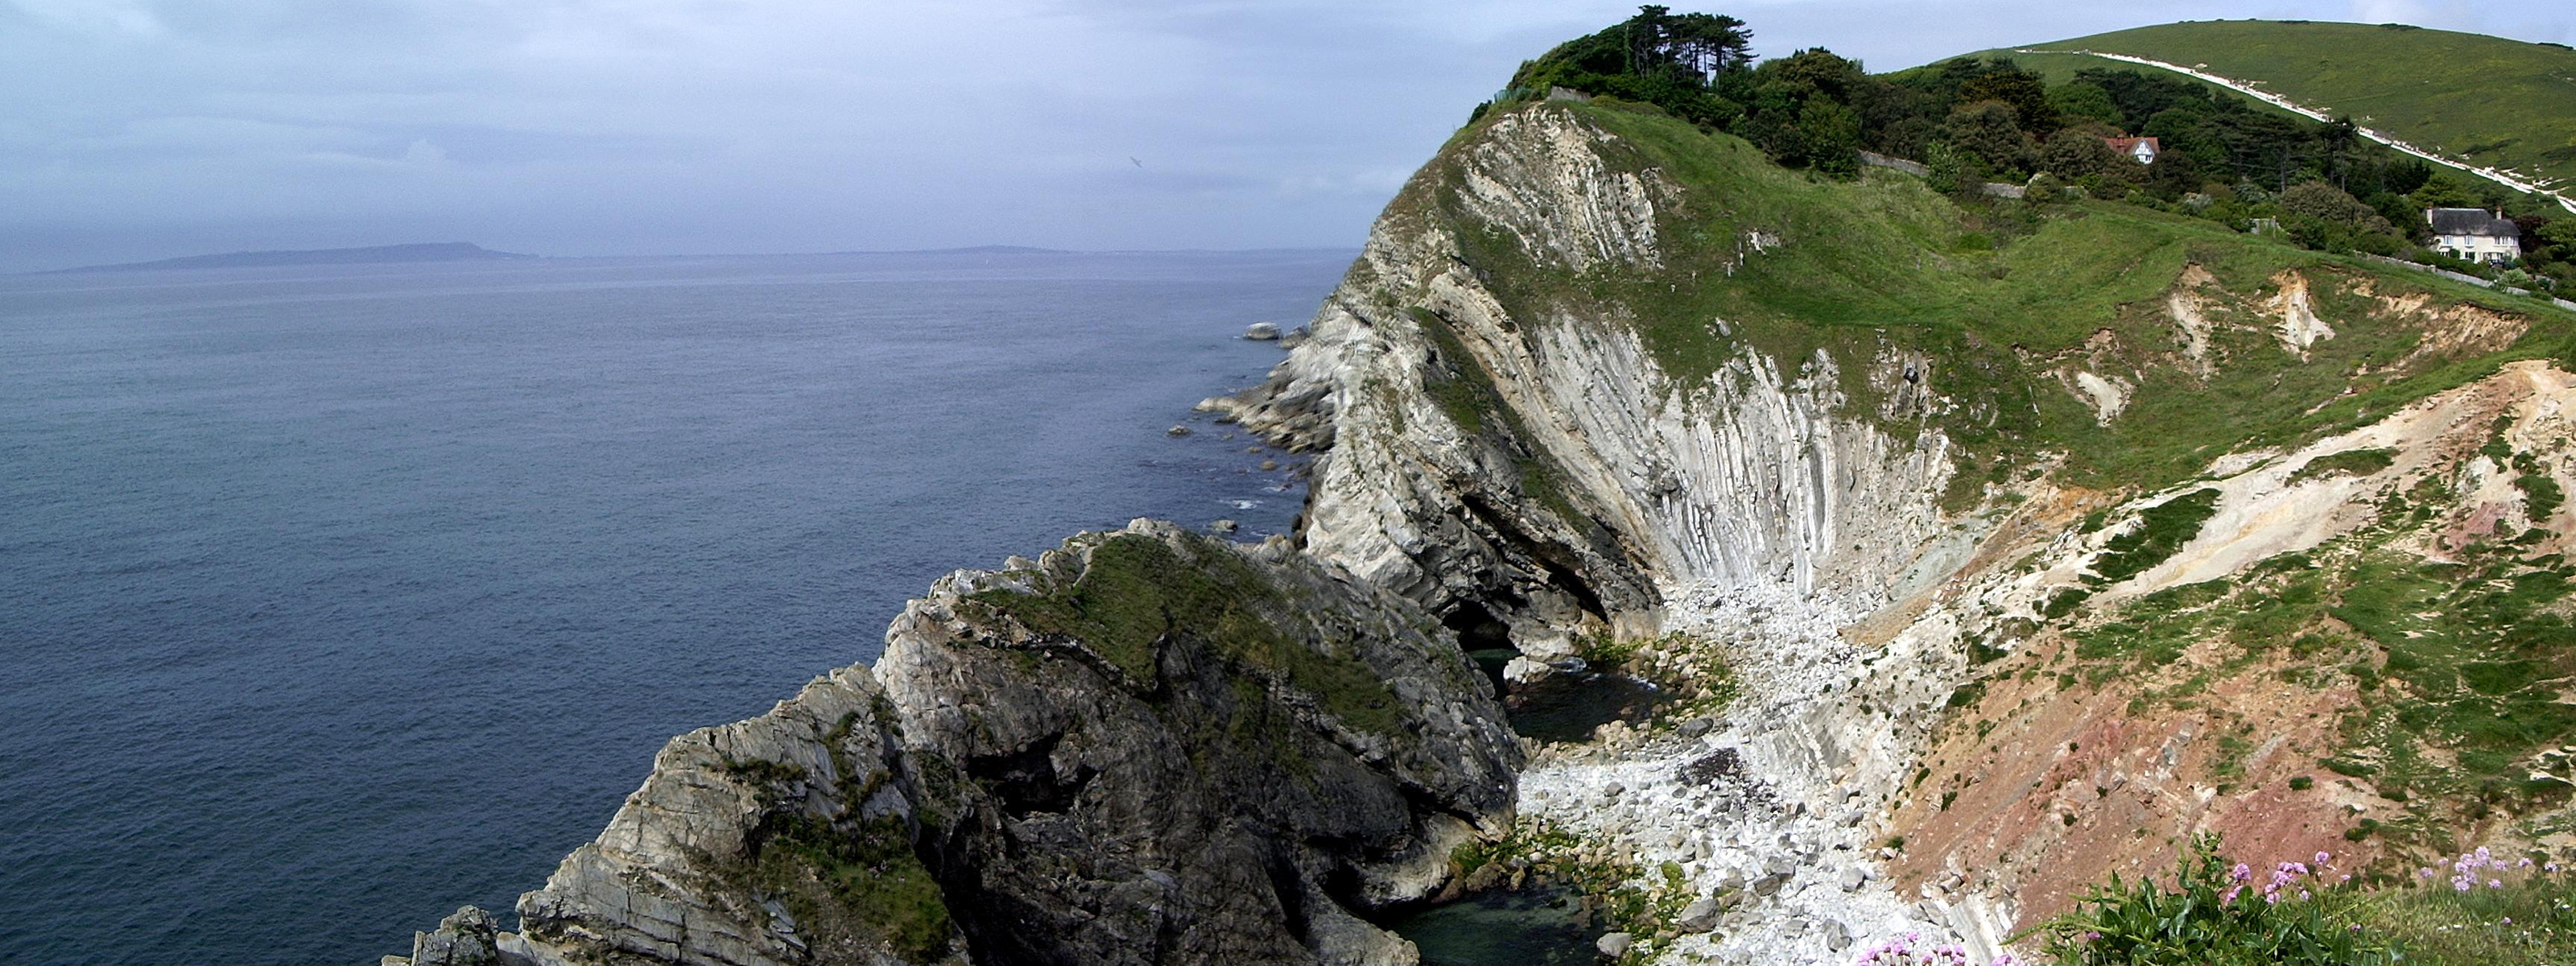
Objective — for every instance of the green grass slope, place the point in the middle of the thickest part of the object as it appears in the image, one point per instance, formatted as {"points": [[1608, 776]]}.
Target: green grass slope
{"points": [[2492, 101], [2007, 301]]}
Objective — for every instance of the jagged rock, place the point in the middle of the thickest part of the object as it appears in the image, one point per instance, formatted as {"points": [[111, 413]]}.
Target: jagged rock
{"points": [[467, 938], [1147, 746], [1224, 526], [1177, 431], [1262, 332]]}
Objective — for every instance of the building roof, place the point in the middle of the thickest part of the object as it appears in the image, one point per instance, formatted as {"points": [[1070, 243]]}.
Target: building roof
{"points": [[2126, 145], [2471, 221]]}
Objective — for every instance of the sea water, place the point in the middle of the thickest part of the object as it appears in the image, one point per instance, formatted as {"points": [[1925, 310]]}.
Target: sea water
{"points": [[332, 599]]}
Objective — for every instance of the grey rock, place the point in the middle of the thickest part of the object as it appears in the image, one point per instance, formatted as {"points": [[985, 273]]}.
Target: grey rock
{"points": [[467, 938], [1033, 790], [1261, 332], [1696, 727], [1614, 945], [1838, 937], [1177, 431], [1699, 916], [1224, 526], [1850, 880], [1521, 670]]}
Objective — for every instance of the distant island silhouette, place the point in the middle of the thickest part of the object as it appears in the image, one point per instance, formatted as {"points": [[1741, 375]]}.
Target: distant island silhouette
{"points": [[378, 254]]}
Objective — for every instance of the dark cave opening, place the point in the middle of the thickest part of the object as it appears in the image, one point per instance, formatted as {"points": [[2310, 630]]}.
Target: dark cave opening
{"points": [[1485, 639]]}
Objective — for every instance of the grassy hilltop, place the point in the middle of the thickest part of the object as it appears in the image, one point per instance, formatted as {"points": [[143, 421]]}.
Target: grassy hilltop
{"points": [[2497, 102]]}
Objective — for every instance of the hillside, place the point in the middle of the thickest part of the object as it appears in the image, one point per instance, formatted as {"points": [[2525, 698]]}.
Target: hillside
{"points": [[1914, 480], [2488, 100]]}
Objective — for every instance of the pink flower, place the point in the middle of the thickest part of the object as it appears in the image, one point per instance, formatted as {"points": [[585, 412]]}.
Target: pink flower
{"points": [[2322, 857]]}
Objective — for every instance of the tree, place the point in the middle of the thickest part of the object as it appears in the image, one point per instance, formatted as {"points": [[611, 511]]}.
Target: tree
{"points": [[2082, 100], [1698, 45], [2021, 89], [1832, 135], [2325, 202], [2441, 191], [1987, 130], [2139, 96], [2072, 154]]}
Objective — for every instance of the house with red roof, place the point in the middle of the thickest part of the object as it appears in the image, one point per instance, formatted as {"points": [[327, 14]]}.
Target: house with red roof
{"points": [[2142, 150]]}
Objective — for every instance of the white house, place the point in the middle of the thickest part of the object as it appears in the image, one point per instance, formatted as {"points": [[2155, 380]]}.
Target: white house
{"points": [[2142, 150], [2474, 234]]}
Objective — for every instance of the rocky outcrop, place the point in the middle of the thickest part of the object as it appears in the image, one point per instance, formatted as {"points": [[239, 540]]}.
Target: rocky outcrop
{"points": [[1538, 462], [1144, 747]]}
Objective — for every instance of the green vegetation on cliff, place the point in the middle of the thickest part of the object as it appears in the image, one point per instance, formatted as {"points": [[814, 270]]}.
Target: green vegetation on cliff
{"points": [[1139, 592], [2000, 303]]}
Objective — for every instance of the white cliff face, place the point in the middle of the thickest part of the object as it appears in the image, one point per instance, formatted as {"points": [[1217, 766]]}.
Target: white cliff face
{"points": [[1778, 807], [1758, 474], [1755, 509], [1540, 176]]}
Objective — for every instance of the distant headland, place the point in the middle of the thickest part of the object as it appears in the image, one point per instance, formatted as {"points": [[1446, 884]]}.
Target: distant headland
{"points": [[378, 254]]}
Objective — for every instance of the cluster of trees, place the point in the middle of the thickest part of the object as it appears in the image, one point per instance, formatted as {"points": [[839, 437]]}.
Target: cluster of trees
{"points": [[1974, 120]]}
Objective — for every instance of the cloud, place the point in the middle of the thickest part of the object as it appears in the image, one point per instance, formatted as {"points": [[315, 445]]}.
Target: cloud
{"points": [[147, 128]]}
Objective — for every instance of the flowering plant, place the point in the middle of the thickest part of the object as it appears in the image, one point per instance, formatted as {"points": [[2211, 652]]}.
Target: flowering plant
{"points": [[1904, 952], [2217, 914]]}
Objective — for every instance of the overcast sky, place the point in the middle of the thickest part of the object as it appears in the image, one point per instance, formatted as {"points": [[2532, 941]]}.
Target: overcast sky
{"points": [[141, 129]]}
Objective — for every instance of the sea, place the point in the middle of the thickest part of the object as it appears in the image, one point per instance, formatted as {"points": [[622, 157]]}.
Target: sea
{"points": [[335, 598]]}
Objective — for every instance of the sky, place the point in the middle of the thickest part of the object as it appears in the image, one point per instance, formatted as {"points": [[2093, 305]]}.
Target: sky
{"points": [[142, 129]]}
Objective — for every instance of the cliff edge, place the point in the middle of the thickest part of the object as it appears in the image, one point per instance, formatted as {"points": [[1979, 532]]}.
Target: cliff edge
{"points": [[1143, 747]]}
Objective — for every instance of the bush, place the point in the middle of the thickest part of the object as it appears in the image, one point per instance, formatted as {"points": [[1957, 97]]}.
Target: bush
{"points": [[2215, 915]]}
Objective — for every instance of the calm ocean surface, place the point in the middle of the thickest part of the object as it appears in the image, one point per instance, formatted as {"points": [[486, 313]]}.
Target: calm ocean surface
{"points": [[334, 598]]}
